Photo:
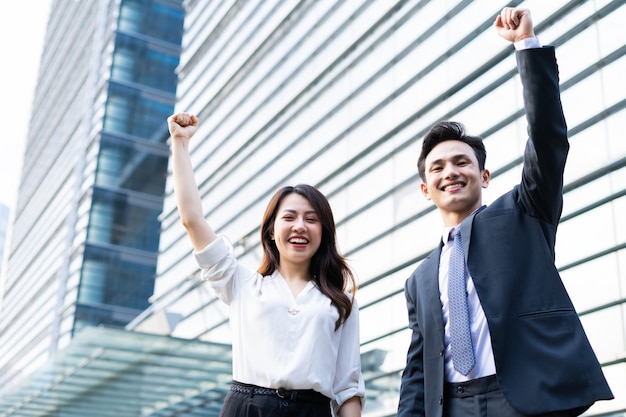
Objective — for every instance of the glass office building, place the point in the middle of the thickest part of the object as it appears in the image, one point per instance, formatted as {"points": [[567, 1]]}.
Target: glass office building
{"points": [[4, 225], [339, 94], [86, 229]]}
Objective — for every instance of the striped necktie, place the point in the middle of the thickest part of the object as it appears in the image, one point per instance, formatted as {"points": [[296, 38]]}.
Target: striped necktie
{"points": [[460, 335]]}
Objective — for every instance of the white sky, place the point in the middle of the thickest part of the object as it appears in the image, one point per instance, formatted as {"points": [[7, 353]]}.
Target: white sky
{"points": [[22, 32]]}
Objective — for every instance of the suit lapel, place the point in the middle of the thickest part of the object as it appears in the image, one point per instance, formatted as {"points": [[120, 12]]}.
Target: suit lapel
{"points": [[430, 288], [430, 283], [466, 230]]}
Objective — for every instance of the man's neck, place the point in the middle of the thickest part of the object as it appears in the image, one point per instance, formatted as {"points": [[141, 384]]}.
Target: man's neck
{"points": [[452, 218]]}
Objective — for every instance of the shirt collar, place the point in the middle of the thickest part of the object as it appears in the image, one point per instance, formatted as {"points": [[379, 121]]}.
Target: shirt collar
{"points": [[445, 234]]}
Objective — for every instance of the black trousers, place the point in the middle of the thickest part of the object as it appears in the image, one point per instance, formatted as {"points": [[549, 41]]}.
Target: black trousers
{"points": [[244, 400], [482, 397]]}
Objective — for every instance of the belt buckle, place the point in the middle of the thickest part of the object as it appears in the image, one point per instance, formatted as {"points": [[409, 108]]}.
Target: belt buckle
{"points": [[283, 394]]}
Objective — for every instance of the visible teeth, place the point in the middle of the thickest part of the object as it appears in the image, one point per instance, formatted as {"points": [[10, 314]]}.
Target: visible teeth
{"points": [[296, 240], [448, 187]]}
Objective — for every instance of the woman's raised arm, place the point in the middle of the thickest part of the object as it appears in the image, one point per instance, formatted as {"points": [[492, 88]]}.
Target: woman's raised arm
{"points": [[182, 127]]}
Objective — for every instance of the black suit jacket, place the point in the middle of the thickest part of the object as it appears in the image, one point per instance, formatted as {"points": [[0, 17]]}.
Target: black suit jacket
{"points": [[543, 359]]}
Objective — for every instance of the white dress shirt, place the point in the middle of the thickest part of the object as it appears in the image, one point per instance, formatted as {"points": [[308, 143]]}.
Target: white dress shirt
{"points": [[282, 341]]}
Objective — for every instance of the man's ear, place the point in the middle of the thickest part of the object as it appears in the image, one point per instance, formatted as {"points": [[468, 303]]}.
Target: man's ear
{"points": [[425, 190], [486, 177]]}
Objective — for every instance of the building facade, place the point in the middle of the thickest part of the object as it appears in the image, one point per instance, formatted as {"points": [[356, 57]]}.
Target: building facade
{"points": [[4, 226], [86, 229], [339, 94]]}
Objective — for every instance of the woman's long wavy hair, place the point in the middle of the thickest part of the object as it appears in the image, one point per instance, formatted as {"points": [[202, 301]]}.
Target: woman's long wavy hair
{"points": [[328, 269]]}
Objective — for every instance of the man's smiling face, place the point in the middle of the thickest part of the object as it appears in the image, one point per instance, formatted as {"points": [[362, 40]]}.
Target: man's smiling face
{"points": [[454, 181]]}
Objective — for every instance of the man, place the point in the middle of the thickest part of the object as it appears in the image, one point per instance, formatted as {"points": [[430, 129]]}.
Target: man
{"points": [[526, 352]]}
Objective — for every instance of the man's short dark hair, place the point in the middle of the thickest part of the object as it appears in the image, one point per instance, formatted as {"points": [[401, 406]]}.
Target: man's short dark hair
{"points": [[448, 130]]}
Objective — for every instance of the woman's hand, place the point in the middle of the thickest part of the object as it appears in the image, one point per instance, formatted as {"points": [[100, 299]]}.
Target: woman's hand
{"points": [[182, 125]]}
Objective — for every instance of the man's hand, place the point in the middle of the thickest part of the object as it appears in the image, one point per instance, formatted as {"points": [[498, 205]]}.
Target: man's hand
{"points": [[514, 24], [182, 125]]}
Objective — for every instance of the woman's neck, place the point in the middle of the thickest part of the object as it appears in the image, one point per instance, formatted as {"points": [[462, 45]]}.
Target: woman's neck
{"points": [[294, 272]]}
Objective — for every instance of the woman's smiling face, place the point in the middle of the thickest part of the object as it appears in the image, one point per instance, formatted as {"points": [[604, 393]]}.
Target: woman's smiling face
{"points": [[297, 230]]}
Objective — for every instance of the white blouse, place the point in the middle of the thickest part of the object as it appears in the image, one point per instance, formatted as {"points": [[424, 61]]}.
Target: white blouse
{"points": [[282, 341]]}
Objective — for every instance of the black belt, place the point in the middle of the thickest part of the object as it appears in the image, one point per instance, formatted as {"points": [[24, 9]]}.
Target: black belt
{"points": [[282, 393], [472, 387]]}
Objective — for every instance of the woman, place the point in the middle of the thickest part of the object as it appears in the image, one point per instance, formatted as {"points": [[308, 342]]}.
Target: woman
{"points": [[295, 328]]}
